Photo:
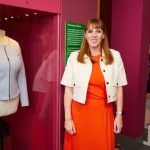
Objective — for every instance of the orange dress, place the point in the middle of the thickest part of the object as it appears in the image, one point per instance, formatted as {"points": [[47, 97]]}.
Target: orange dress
{"points": [[93, 120]]}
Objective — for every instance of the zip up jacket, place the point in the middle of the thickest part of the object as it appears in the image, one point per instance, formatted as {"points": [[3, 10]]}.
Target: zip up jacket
{"points": [[77, 75], [12, 73]]}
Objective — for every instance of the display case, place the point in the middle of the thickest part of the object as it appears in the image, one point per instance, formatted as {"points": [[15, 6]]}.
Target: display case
{"points": [[35, 127]]}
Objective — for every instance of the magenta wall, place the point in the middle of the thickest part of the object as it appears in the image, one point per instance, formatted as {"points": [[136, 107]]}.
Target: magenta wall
{"points": [[130, 35]]}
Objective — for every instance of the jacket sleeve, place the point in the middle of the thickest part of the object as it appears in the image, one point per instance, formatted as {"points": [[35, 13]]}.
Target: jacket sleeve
{"points": [[122, 80], [67, 79], [23, 85]]}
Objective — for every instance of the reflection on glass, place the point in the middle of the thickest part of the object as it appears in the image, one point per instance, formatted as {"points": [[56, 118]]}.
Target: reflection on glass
{"points": [[44, 85]]}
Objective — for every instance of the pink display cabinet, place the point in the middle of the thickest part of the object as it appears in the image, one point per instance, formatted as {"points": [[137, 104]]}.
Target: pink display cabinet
{"points": [[35, 127]]}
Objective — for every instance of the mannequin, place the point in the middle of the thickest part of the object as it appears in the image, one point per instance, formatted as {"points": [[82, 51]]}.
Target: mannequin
{"points": [[12, 79], [3, 38], [12, 76]]}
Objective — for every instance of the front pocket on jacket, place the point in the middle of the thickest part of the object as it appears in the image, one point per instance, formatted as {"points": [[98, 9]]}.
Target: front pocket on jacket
{"points": [[113, 90]]}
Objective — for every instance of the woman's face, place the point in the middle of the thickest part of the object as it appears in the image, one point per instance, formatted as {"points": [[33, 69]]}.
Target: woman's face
{"points": [[94, 37]]}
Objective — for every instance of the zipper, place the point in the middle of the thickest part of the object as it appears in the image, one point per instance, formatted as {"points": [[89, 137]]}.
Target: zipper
{"points": [[9, 69]]}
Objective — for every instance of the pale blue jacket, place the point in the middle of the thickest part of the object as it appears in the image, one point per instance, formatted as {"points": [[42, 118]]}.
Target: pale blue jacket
{"points": [[12, 73]]}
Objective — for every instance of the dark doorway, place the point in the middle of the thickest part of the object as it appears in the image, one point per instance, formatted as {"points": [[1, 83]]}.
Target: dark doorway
{"points": [[106, 15]]}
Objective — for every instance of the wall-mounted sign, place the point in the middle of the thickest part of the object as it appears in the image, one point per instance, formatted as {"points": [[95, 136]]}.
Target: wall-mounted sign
{"points": [[74, 36]]}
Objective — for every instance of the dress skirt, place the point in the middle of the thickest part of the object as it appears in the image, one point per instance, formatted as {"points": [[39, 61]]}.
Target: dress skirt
{"points": [[94, 126]]}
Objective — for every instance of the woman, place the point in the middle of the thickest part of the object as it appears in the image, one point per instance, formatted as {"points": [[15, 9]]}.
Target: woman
{"points": [[93, 78]]}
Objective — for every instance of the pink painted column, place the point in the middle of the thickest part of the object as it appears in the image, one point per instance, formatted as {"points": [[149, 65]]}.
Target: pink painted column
{"points": [[130, 30]]}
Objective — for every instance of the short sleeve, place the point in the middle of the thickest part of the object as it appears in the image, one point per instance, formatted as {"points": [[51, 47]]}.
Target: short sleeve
{"points": [[67, 78], [122, 80]]}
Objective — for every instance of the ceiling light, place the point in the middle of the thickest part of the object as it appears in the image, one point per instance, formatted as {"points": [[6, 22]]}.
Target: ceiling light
{"points": [[26, 15]]}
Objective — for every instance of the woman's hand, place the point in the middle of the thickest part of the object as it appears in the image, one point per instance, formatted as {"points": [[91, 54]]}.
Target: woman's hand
{"points": [[70, 127], [118, 123]]}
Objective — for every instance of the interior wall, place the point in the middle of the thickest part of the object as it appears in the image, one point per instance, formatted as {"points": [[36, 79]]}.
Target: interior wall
{"points": [[130, 35], [31, 127]]}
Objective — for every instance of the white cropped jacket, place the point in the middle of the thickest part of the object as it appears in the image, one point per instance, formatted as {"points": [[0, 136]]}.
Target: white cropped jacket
{"points": [[77, 75]]}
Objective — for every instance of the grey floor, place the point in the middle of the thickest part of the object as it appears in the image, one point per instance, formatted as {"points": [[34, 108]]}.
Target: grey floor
{"points": [[127, 143]]}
